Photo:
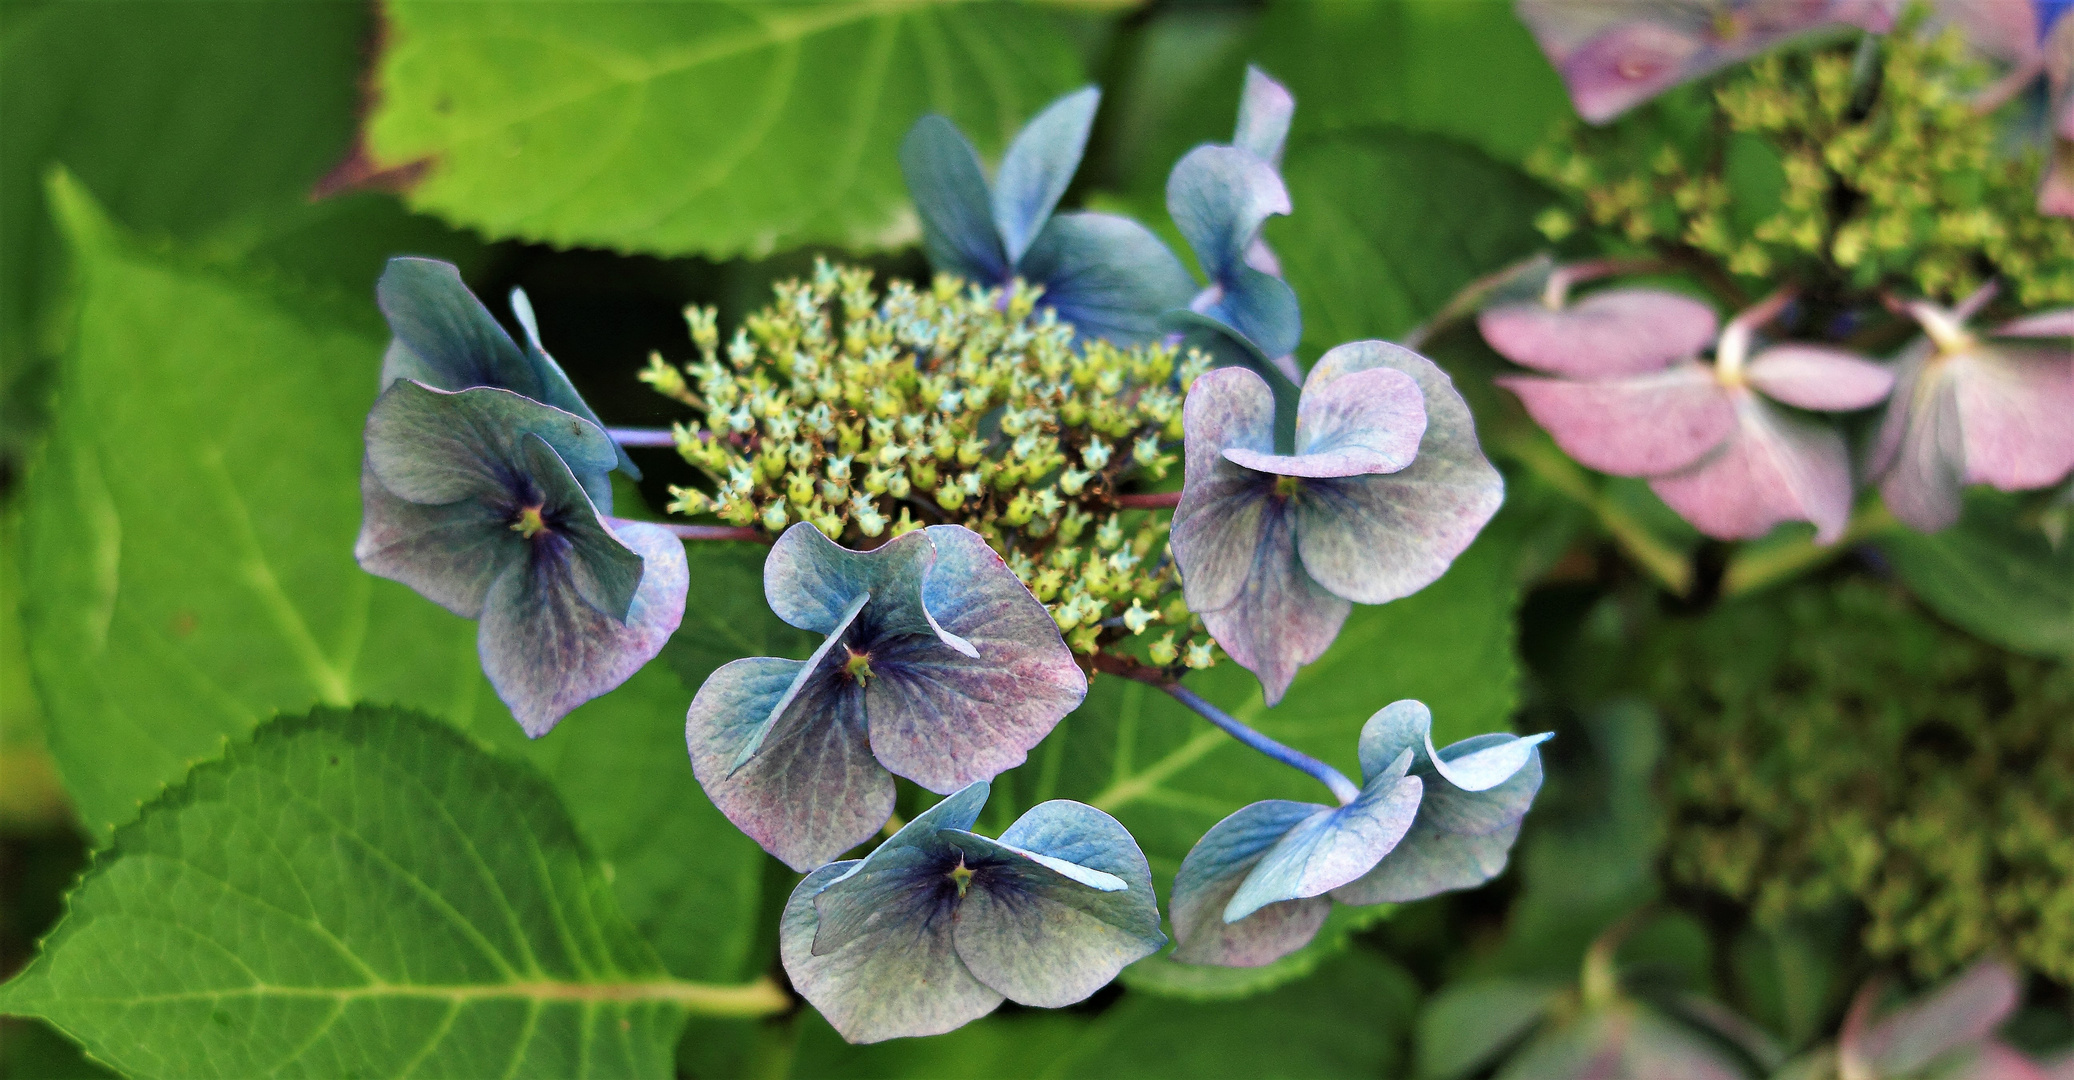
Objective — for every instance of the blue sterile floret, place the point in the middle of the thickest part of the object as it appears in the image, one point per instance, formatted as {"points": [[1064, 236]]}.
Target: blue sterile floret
{"points": [[939, 925], [1107, 275], [446, 339], [1258, 885], [937, 665], [478, 499], [1219, 197], [1386, 487]]}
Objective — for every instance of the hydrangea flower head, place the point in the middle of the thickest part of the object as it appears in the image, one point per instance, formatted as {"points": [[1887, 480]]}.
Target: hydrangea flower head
{"points": [[1387, 486], [1974, 409], [1616, 54], [475, 499], [443, 337], [1107, 275], [937, 664], [1713, 439], [939, 925], [1260, 883]]}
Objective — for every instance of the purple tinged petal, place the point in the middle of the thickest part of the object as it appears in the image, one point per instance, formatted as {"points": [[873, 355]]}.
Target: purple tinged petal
{"points": [[1052, 921], [1484, 761], [1461, 838], [1214, 870], [1824, 380], [815, 665], [547, 650], [1615, 332], [1919, 457], [1392, 730], [1373, 539], [1265, 109], [604, 571], [435, 446], [1218, 197], [1280, 619], [1039, 166], [1219, 521], [943, 718], [1330, 849], [2016, 415], [449, 553], [1776, 467], [873, 989], [810, 580], [1640, 425], [915, 862], [950, 193], [2058, 323], [1430, 861], [814, 791], [1367, 422], [1965, 1010], [1109, 276], [1628, 66]]}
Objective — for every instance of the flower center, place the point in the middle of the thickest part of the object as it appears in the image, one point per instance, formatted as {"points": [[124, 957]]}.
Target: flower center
{"points": [[529, 524], [858, 668], [961, 876], [1286, 487]]}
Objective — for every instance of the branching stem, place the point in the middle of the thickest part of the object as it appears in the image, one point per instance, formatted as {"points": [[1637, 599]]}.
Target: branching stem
{"points": [[636, 436], [1343, 789], [1158, 500], [714, 532]]}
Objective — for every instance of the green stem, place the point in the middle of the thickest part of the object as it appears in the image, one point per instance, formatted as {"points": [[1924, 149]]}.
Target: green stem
{"points": [[1750, 571], [1666, 564]]}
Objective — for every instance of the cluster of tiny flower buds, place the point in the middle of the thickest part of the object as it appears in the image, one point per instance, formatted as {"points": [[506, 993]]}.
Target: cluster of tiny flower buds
{"points": [[1935, 203], [870, 414]]}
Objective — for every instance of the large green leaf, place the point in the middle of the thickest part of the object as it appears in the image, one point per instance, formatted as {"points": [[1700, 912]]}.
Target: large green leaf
{"points": [[1349, 1021], [1993, 576], [1168, 775], [360, 893], [1390, 224], [711, 128], [190, 573]]}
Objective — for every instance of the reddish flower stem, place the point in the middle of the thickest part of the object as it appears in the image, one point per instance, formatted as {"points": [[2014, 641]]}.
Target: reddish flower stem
{"points": [[1158, 500]]}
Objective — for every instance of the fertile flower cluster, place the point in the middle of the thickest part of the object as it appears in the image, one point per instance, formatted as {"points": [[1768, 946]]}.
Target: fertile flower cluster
{"points": [[1820, 167], [869, 415]]}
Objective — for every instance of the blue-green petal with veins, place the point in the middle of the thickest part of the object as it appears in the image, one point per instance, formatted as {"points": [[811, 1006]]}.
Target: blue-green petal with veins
{"points": [[938, 925], [468, 498], [1108, 276], [1328, 850], [1038, 167], [1214, 870], [445, 338], [938, 665], [1057, 906], [1462, 836], [1219, 197]]}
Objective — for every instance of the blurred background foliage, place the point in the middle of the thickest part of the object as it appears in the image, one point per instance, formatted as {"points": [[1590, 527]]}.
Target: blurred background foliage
{"points": [[1767, 792]]}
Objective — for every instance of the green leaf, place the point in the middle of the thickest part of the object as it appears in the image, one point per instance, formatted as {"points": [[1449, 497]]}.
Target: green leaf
{"points": [[715, 129], [1349, 1021], [1469, 1022], [360, 893], [1994, 576], [190, 573], [1168, 775], [1390, 224]]}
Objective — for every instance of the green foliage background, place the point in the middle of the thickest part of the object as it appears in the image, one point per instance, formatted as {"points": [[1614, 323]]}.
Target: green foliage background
{"points": [[188, 348]]}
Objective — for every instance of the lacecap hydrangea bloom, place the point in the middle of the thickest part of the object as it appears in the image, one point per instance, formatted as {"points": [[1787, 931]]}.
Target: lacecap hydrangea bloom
{"points": [[937, 664], [1387, 486], [1107, 275], [1260, 883], [481, 500], [939, 925], [1972, 408], [1629, 396]]}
